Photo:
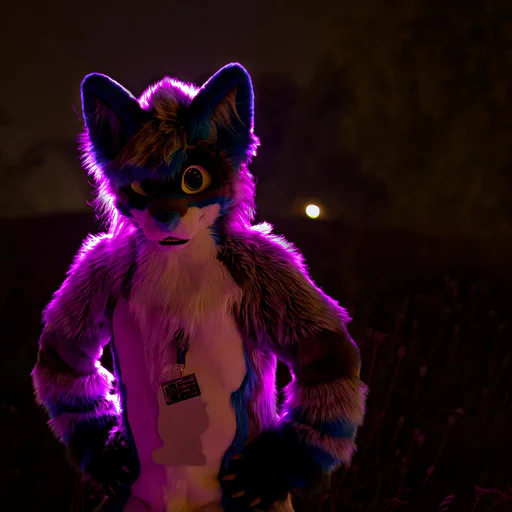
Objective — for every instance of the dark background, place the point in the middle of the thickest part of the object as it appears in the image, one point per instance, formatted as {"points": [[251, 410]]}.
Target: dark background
{"points": [[396, 118]]}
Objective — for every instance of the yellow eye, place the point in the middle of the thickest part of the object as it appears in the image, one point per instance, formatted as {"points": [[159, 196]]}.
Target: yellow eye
{"points": [[195, 179], [137, 188]]}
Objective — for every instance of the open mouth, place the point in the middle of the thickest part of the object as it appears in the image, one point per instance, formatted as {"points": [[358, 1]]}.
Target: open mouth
{"points": [[171, 240]]}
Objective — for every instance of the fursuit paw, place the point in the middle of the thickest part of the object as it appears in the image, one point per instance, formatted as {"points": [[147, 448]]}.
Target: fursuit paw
{"points": [[269, 468], [246, 490], [113, 466]]}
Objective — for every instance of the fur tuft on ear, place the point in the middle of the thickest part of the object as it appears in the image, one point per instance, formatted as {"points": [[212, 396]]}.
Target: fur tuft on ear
{"points": [[112, 115], [223, 110]]}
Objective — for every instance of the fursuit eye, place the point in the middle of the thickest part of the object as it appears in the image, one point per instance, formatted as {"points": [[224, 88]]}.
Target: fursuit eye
{"points": [[146, 188], [195, 179]]}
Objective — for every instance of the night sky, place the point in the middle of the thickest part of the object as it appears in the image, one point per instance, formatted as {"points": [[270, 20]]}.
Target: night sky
{"points": [[47, 48], [396, 113]]}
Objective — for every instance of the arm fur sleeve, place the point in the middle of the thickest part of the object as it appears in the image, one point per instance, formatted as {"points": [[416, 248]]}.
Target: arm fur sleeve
{"points": [[68, 379], [286, 314]]}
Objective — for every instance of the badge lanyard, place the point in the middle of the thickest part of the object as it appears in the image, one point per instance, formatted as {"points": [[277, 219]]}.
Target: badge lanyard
{"points": [[181, 354], [184, 387]]}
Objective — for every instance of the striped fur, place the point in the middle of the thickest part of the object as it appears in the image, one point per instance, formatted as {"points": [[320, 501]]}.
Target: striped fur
{"points": [[285, 313], [50, 386], [343, 398], [65, 423], [340, 449], [68, 378], [280, 313]]}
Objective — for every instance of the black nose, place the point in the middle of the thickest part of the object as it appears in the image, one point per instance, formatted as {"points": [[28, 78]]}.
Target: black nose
{"points": [[162, 205], [167, 220]]}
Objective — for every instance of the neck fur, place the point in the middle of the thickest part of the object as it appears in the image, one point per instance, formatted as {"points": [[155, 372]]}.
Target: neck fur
{"points": [[174, 290]]}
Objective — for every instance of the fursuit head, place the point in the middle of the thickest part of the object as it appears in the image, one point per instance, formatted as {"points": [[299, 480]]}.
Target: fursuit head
{"points": [[173, 162]]}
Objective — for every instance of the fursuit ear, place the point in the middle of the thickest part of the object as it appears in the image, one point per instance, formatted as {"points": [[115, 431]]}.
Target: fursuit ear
{"points": [[112, 114], [226, 104]]}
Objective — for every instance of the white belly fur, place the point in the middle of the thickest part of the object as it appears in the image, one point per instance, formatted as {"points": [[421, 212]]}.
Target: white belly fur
{"points": [[180, 447]]}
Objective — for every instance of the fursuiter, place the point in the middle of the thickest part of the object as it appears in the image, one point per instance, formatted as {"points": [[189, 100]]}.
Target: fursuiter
{"points": [[197, 305]]}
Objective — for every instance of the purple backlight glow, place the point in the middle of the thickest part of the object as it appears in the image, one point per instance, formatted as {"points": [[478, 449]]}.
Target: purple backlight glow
{"points": [[188, 90], [243, 204]]}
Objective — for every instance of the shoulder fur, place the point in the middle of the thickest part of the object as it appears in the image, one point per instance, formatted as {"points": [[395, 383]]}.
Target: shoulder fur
{"points": [[95, 279], [280, 301]]}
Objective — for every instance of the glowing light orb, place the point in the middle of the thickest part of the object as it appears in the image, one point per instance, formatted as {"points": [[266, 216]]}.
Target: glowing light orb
{"points": [[312, 211]]}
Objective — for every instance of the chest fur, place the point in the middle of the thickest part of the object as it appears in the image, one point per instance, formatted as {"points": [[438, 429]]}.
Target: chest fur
{"points": [[189, 292], [195, 294]]}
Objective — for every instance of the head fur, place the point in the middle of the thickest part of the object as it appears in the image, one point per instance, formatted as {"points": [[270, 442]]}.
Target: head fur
{"points": [[174, 161]]}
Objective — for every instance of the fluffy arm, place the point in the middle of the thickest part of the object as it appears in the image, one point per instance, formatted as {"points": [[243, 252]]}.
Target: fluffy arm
{"points": [[68, 379], [286, 314]]}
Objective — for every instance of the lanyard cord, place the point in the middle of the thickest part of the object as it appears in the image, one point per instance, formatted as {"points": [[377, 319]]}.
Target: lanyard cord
{"points": [[181, 350]]}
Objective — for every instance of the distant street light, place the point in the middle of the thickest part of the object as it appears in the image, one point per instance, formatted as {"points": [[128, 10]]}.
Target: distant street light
{"points": [[312, 211]]}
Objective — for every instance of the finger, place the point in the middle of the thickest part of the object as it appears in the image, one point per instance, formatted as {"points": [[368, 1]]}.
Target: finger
{"points": [[238, 494], [111, 490], [255, 502], [228, 478]]}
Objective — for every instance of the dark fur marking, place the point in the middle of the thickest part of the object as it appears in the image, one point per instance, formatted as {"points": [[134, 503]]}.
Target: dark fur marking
{"points": [[49, 358], [328, 356]]}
